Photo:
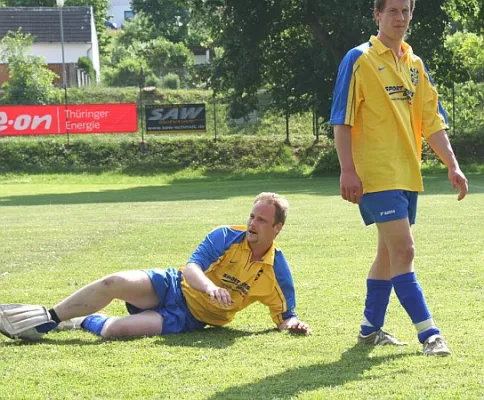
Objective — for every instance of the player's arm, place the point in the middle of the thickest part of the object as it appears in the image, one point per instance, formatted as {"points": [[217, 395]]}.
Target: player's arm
{"points": [[350, 184], [440, 144], [196, 278], [293, 325]]}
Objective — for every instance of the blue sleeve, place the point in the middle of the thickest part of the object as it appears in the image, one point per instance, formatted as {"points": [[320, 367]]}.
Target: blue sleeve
{"points": [[284, 279], [440, 108], [342, 87], [214, 246]]}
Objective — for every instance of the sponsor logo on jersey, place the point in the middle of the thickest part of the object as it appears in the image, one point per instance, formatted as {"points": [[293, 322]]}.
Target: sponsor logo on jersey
{"points": [[414, 76], [400, 92]]}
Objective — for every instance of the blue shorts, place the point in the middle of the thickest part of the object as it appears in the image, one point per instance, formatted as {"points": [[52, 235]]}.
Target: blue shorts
{"points": [[388, 205], [173, 306]]}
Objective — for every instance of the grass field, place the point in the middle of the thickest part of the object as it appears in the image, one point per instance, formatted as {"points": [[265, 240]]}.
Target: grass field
{"points": [[58, 233]]}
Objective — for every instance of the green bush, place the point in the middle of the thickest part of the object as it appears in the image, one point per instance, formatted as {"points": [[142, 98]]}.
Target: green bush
{"points": [[327, 163], [171, 81], [464, 105], [30, 82], [158, 155], [469, 147], [123, 153], [130, 72], [85, 64]]}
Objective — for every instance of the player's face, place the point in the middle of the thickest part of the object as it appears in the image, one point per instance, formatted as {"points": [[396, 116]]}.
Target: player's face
{"points": [[260, 225], [394, 19]]}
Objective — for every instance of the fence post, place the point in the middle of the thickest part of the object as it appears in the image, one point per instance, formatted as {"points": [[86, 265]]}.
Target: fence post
{"points": [[287, 128], [215, 118], [141, 118], [453, 107]]}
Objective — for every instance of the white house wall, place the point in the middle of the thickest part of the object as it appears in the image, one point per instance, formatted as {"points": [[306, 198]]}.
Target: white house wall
{"points": [[52, 52], [93, 52]]}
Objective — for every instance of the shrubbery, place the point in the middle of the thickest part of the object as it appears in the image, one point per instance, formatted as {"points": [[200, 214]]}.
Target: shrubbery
{"points": [[168, 154], [158, 155]]}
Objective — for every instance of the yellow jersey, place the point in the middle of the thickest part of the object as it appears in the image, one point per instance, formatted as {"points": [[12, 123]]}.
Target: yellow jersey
{"points": [[389, 103], [225, 258]]}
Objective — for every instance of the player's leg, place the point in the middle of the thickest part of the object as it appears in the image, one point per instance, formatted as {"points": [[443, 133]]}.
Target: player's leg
{"points": [[131, 286], [400, 244], [378, 290], [146, 323], [378, 283], [134, 287]]}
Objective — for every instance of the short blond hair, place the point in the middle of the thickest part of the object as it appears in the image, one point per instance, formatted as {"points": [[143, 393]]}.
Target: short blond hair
{"points": [[280, 203], [380, 5]]}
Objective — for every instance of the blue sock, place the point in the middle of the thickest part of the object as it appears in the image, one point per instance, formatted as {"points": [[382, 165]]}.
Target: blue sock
{"points": [[94, 323], [412, 299], [377, 298]]}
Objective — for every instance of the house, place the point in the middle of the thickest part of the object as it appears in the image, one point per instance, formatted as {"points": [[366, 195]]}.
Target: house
{"points": [[120, 11], [44, 23], [201, 55]]}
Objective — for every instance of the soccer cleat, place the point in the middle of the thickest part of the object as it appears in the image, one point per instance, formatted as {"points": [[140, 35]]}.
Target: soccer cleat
{"points": [[380, 338], [70, 324], [435, 345]]}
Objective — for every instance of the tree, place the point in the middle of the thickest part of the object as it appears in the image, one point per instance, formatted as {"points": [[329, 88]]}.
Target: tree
{"points": [[30, 82], [139, 41], [137, 29], [170, 17], [467, 15], [292, 48], [130, 72], [467, 51]]}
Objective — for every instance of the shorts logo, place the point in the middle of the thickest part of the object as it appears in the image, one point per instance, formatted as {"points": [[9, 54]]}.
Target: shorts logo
{"points": [[382, 213], [414, 76]]}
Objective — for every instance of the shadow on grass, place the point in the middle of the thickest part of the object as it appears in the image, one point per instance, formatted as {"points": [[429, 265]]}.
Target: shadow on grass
{"points": [[439, 184], [350, 367], [52, 340], [199, 190], [214, 338]]}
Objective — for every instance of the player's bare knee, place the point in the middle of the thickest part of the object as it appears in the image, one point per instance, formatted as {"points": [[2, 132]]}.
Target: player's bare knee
{"points": [[112, 283], [404, 254]]}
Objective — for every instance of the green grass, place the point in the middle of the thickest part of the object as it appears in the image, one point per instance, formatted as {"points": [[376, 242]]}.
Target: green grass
{"points": [[59, 232]]}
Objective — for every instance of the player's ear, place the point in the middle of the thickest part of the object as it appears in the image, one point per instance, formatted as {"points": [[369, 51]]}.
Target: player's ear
{"points": [[278, 227], [376, 15]]}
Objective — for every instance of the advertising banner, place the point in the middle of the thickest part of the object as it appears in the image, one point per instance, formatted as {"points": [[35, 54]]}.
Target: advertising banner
{"points": [[175, 118], [61, 119]]}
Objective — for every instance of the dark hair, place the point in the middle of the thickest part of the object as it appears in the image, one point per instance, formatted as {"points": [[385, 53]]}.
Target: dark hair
{"points": [[280, 203], [380, 5]]}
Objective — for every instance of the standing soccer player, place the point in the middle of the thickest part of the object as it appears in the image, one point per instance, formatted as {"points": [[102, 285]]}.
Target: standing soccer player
{"points": [[384, 101]]}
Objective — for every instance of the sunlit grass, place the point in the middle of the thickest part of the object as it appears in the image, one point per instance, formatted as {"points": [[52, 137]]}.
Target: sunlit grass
{"points": [[59, 232]]}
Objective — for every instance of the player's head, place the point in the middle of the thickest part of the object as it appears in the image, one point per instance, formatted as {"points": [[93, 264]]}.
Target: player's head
{"points": [[266, 219], [281, 205], [393, 17]]}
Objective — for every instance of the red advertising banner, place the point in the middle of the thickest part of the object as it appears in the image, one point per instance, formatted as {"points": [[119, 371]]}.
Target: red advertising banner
{"points": [[71, 118]]}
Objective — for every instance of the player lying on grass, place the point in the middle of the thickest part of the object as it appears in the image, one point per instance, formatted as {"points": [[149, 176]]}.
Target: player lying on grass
{"points": [[232, 268]]}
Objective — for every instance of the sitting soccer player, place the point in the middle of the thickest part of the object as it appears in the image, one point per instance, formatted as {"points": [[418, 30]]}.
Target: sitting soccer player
{"points": [[233, 267]]}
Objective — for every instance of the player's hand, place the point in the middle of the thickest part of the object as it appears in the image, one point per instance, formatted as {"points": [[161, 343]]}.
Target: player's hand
{"points": [[220, 295], [459, 182], [351, 187], [293, 325]]}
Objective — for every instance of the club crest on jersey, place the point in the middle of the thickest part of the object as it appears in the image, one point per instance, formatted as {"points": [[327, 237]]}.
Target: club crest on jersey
{"points": [[414, 76]]}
